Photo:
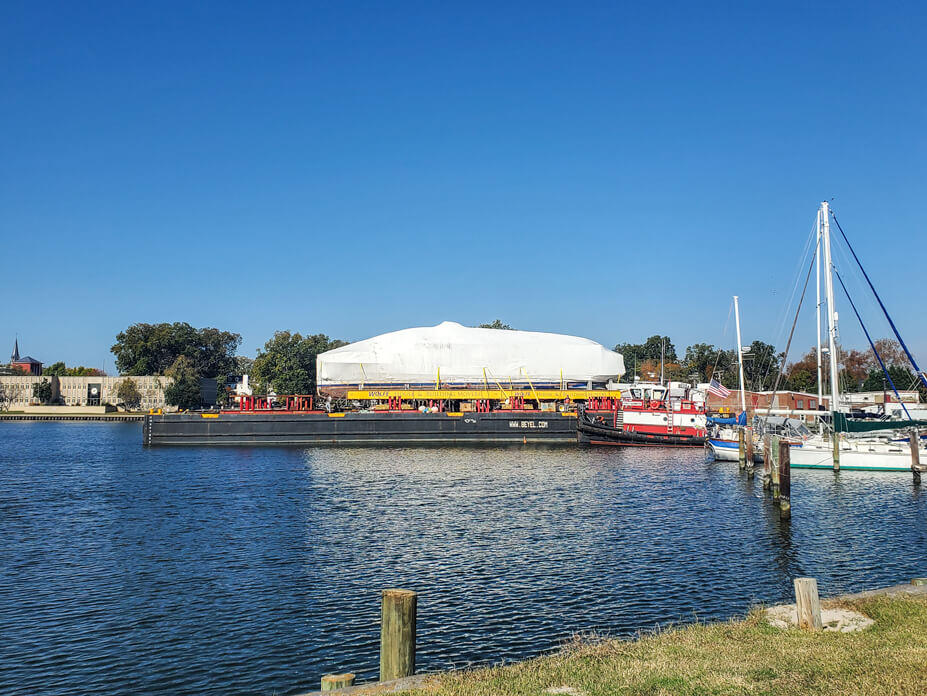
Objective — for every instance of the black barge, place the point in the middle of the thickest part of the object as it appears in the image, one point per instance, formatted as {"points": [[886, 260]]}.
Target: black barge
{"points": [[360, 428]]}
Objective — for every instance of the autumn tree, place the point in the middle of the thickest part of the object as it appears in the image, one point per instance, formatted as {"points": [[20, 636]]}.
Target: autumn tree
{"points": [[59, 369], [653, 350]]}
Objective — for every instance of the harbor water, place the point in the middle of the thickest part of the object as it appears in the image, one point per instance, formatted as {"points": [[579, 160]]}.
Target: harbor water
{"points": [[126, 570]]}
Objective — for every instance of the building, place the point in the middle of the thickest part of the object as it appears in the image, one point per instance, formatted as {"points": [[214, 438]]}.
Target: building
{"points": [[27, 364], [84, 391], [757, 402]]}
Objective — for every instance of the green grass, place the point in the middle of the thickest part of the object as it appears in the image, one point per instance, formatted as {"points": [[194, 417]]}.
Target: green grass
{"points": [[736, 657]]}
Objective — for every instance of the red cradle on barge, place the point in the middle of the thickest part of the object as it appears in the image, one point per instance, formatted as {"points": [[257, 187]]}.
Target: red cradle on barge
{"points": [[650, 415]]}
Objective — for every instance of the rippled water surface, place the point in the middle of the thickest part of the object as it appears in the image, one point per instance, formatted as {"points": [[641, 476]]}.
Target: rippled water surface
{"points": [[256, 571]]}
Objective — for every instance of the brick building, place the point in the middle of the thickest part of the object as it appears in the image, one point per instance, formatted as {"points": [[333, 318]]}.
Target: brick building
{"points": [[757, 402]]}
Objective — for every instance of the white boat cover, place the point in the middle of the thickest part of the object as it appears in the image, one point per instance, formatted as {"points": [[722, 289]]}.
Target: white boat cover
{"points": [[456, 354]]}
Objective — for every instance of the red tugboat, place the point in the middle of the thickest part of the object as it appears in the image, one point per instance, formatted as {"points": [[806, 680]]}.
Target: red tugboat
{"points": [[646, 415]]}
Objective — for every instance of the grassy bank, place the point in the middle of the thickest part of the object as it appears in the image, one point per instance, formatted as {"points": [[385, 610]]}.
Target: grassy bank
{"points": [[738, 657]]}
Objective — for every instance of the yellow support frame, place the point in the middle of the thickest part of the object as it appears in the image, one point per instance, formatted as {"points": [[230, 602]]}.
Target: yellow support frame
{"points": [[468, 394]]}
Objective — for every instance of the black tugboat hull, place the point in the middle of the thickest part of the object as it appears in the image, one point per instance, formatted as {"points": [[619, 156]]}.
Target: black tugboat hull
{"points": [[597, 434]]}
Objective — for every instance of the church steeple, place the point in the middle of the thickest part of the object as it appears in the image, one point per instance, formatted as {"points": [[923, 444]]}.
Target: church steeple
{"points": [[15, 355]]}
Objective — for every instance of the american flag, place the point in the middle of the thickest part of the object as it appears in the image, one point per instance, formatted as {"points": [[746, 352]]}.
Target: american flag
{"points": [[718, 389]]}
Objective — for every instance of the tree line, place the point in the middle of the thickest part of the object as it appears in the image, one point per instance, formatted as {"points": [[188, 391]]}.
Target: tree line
{"points": [[285, 365], [859, 371], [287, 362]]}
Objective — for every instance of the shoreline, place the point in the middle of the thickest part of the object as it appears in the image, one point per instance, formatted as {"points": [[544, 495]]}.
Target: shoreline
{"points": [[675, 677], [118, 417]]}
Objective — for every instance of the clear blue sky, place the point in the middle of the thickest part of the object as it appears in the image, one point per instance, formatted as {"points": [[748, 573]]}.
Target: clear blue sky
{"points": [[599, 169]]}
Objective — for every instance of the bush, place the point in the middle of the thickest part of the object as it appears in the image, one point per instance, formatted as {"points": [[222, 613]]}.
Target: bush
{"points": [[128, 393]]}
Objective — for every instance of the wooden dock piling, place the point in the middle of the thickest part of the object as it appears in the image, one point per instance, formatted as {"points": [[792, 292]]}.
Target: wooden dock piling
{"points": [[741, 450], [397, 634], [774, 443], [836, 449], [916, 456], [330, 682], [785, 480], [748, 450], [808, 604], [767, 463]]}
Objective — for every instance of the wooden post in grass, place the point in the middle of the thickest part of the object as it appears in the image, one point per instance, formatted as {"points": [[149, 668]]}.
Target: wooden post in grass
{"points": [[397, 634], [785, 480], [767, 463], [748, 447], [774, 466], [916, 456], [741, 450], [808, 604], [330, 682]]}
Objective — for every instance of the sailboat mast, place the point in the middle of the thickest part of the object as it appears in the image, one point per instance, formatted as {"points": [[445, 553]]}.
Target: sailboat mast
{"points": [[817, 263], [740, 358], [662, 358], [831, 312]]}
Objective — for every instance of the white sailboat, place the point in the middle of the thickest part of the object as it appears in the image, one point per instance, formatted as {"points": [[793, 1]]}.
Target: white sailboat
{"points": [[869, 452]]}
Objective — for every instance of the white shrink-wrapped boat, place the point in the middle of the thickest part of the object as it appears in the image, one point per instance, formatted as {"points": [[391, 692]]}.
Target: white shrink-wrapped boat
{"points": [[452, 355]]}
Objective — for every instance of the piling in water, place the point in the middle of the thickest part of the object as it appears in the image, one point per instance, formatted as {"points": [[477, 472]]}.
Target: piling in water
{"points": [[785, 480], [741, 450], [915, 456], [836, 450], [774, 467], [767, 464]]}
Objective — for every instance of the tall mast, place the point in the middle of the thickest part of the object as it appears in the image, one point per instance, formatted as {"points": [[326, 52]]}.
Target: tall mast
{"points": [[817, 263], [662, 358], [831, 312], [740, 358]]}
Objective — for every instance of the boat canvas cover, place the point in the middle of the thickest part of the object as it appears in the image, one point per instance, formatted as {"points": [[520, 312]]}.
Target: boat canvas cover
{"points": [[467, 355], [851, 425]]}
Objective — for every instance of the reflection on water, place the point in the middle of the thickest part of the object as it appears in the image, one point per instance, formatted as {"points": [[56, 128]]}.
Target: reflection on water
{"points": [[241, 571]]}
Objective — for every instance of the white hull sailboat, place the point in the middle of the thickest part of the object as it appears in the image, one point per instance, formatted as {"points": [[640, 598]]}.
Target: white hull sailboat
{"points": [[865, 452], [866, 455]]}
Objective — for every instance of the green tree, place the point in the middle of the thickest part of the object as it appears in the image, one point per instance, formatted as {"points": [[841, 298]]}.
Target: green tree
{"points": [[184, 391], [58, 369], [42, 391], [650, 351], [703, 359], [287, 363], [152, 349], [497, 324], [243, 365], [761, 365], [903, 378], [127, 392]]}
